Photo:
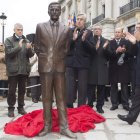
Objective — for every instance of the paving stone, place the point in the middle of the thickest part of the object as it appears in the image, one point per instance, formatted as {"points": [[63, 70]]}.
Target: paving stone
{"points": [[118, 126], [111, 129], [127, 137], [95, 135]]}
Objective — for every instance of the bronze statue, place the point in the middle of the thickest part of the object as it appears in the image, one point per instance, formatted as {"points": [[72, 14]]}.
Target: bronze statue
{"points": [[51, 47]]}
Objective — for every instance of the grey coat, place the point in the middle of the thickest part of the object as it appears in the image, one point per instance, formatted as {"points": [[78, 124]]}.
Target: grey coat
{"points": [[98, 72]]}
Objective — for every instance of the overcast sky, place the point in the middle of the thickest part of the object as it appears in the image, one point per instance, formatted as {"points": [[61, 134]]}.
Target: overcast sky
{"points": [[27, 12]]}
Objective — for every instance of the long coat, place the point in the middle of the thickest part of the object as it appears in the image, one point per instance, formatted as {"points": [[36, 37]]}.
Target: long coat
{"points": [[120, 73], [98, 72], [3, 75], [51, 54], [136, 52]]}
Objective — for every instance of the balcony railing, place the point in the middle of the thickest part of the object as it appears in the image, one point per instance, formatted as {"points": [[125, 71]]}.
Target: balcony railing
{"points": [[131, 5], [98, 18]]}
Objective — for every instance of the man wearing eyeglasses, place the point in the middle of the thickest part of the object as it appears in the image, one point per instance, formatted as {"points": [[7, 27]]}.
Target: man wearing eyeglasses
{"points": [[18, 50]]}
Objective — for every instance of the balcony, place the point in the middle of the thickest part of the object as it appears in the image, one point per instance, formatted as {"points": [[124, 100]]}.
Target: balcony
{"points": [[98, 18], [130, 6]]}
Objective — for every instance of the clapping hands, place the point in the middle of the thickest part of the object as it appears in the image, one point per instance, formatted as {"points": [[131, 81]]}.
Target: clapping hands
{"points": [[130, 37], [84, 35], [105, 44], [28, 45], [75, 34]]}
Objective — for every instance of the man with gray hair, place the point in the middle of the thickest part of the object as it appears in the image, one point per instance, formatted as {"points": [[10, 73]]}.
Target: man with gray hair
{"points": [[78, 61], [18, 50], [98, 71]]}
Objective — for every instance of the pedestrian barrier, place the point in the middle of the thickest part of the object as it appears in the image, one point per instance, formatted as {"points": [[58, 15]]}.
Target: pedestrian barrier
{"points": [[26, 87]]}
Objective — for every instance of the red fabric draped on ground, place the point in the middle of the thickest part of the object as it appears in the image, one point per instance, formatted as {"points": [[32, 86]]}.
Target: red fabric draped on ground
{"points": [[80, 119]]}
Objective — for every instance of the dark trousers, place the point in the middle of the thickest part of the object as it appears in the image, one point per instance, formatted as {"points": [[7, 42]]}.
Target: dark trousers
{"points": [[2, 84], [100, 95], [124, 94], [35, 91], [135, 108], [19, 80], [73, 74]]}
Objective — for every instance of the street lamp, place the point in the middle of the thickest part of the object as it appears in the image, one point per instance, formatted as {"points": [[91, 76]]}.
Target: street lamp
{"points": [[3, 17]]}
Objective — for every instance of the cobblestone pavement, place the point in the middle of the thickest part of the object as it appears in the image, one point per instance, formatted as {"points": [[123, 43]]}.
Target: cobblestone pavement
{"points": [[112, 129]]}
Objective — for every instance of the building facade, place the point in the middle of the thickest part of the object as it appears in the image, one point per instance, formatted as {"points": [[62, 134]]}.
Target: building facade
{"points": [[109, 13]]}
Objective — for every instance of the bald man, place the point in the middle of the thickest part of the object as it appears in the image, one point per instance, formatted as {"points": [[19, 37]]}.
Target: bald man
{"points": [[119, 69]]}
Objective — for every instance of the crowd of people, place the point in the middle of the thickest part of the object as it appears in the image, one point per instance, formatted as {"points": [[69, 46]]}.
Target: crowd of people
{"points": [[88, 61]]}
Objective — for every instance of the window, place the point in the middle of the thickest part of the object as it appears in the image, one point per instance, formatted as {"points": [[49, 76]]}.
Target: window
{"points": [[131, 29]]}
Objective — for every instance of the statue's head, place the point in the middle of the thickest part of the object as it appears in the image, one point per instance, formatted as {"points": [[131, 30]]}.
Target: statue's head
{"points": [[54, 11]]}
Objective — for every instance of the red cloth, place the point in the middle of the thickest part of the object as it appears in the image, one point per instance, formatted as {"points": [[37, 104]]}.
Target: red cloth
{"points": [[80, 119]]}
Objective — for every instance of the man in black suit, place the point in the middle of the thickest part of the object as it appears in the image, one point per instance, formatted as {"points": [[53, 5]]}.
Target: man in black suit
{"points": [[119, 68], [134, 111], [98, 71], [78, 61]]}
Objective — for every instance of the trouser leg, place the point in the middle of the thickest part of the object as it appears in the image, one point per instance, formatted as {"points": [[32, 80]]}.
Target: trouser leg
{"points": [[100, 95], [59, 88], [47, 97], [135, 108], [11, 99], [21, 90], [82, 86], [91, 94], [124, 94], [1, 86], [34, 91], [70, 86], [114, 94]]}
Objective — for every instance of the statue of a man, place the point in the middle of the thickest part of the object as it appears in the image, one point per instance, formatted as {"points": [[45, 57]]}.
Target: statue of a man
{"points": [[51, 47]]}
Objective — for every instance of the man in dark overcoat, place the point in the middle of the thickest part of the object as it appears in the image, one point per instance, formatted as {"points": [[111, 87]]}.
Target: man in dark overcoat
{"points": [[78, 61], [98, 71], [134, 111], [119, 68]]}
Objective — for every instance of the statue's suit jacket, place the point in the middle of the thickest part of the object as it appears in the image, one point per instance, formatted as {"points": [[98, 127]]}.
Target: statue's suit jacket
{"points": [[51, 53]]}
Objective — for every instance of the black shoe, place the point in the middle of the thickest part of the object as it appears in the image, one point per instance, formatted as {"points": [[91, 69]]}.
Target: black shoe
{"points": [[34, 100], [100, 110], [125, 118], [68, 133], [114, 108], [90, 105], [126, 108], [11, 113], [22, 111]]}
